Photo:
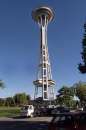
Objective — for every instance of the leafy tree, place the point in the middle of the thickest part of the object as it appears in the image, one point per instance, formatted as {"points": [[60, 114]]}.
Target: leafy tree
{"points": [[82, 67], [81, 92], [2, 102], [21, 99], [2, 84], [65, 96], [66, 91], [28, 99], [9, 101]]}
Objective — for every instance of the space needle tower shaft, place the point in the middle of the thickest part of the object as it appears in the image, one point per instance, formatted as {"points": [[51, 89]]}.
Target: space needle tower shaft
{"points": [[43, 16]]}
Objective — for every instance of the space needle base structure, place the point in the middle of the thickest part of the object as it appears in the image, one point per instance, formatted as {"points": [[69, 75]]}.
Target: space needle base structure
{"points": [[44, 85]]}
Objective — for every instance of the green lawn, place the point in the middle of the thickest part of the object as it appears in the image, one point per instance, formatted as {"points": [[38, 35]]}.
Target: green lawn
{"points": [[9, 111]]}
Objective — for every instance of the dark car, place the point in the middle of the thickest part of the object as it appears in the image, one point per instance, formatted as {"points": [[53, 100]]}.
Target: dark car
{"points": [[68, 121], [60, 109], [43, 112]]}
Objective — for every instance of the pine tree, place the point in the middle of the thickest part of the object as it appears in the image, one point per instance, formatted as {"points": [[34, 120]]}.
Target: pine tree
{"points": [[82, 66]]}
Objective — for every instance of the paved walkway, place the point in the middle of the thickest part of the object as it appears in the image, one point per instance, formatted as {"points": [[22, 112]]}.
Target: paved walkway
{"points": [[37, 123]]}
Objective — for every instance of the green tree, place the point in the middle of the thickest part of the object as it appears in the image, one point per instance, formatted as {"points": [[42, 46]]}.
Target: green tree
{"points": [[82, 67], [65, 96], [21, 99], [28, 99], [2, 102], [81, 92], [9, 101], [2, 84]]}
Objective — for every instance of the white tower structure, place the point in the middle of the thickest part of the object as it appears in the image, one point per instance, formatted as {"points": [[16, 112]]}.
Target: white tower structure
{"points": [[44, 83]]}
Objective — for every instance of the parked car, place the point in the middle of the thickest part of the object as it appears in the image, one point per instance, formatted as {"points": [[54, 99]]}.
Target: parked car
{"points": [[79, 109], [60, 109], [27, 111], [43, 111], [68, 121]]}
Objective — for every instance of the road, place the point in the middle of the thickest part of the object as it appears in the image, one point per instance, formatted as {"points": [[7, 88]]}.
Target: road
{"points": [[38, 123]]}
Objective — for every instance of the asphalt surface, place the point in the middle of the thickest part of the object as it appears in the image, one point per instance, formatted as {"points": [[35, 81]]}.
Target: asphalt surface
{"points": [[38, 123]]}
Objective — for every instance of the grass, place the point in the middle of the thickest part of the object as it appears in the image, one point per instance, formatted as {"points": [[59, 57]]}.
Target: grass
{"points": [[9, 111]]}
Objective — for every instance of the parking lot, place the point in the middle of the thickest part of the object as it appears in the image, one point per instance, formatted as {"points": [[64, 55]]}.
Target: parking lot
{"points": [[17, 123]]}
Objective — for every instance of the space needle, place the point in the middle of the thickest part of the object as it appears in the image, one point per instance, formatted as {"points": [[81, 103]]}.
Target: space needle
{"points": [[44, 85]]}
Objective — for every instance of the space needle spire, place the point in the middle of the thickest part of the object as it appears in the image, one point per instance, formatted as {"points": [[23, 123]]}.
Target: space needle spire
{"points": [[44, 84]]}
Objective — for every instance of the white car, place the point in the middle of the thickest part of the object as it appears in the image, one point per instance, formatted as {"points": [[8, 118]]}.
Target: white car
{"points": [[27, 111]]}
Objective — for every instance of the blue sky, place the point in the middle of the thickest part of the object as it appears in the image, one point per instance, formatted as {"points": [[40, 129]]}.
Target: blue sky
{"points": [[19, 43]]}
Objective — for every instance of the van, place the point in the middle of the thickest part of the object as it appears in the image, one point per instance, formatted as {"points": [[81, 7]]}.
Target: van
{"points": [[27, 111]]}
